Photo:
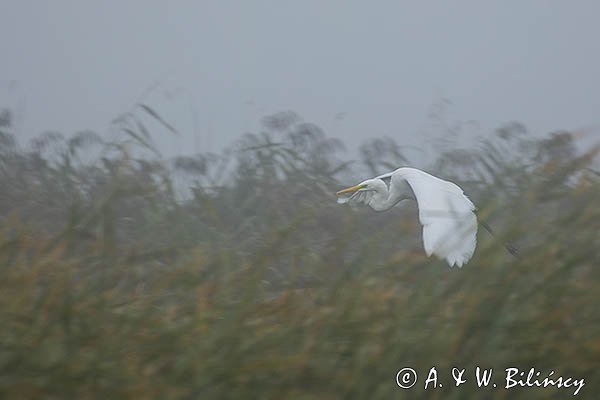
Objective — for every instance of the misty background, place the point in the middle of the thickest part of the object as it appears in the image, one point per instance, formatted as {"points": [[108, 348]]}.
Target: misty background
{"points": [[356, 69]]}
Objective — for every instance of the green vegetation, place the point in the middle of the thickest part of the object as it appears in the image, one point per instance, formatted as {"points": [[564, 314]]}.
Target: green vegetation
{"points": [[124, 275]]}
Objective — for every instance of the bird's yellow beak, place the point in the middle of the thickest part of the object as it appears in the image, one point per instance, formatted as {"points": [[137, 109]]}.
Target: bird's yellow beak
{"points": [[350, 189]]}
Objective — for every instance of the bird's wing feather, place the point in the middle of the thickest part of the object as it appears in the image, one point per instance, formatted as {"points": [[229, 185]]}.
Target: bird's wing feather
{"points": [[447, 215]]}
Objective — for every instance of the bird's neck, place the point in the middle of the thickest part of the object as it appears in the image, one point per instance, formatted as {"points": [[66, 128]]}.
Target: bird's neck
{"points": [[385, 198], [383, 201]]}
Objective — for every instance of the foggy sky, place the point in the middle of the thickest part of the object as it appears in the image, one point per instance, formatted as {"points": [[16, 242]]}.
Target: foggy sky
{"points": [[358, 69]]}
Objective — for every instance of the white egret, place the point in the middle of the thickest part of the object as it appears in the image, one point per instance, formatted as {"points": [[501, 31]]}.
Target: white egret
{"points": [[447, 215]]}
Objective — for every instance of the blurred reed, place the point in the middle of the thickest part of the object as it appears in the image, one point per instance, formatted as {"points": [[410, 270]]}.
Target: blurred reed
{"points": [[235, 275]]}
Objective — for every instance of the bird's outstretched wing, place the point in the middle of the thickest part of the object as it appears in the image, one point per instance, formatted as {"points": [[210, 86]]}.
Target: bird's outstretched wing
{"points": [[447, 215]]}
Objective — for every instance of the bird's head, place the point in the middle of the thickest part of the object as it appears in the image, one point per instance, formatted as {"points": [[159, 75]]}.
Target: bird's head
{"points": [[370, 185], [351, 189]]}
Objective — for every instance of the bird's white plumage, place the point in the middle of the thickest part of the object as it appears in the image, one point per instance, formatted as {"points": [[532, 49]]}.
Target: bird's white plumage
{"points": [[356, 198], [447, 215]]}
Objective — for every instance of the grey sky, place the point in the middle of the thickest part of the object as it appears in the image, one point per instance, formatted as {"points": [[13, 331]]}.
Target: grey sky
{"points": [[73, 65]]}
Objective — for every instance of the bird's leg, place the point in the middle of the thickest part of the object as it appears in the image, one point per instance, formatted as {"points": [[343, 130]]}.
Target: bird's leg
{"points": [[508, 246]]}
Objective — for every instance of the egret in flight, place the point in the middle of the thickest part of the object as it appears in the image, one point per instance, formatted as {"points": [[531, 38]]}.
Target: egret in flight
{"points": [[447, 215]]}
